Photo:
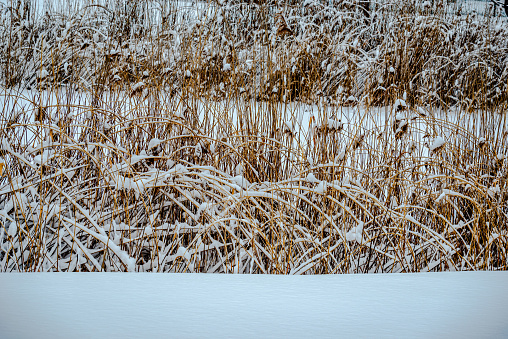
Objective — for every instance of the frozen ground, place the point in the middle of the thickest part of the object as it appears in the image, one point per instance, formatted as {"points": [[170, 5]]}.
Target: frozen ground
{"points": [[427, 305]]}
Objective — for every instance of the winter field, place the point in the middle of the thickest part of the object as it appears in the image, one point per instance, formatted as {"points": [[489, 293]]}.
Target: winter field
{"points": [[280, 137], [424, 305]]}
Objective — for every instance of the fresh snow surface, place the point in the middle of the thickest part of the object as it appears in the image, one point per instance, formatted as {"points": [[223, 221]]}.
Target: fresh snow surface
{"points": [[109, 305]]}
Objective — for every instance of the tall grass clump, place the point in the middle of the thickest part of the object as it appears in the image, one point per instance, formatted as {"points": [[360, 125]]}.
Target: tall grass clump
{"points": [[253, 137]]}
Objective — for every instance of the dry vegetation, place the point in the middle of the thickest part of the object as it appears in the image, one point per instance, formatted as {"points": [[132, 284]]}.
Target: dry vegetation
{"points": [[148, 136]]}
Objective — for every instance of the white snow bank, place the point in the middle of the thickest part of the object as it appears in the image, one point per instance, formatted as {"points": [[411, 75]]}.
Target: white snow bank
{"points": [[109, 305]]}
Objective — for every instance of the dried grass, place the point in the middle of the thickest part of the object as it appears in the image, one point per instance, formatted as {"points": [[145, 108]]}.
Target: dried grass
{"points": [[153, 160]]}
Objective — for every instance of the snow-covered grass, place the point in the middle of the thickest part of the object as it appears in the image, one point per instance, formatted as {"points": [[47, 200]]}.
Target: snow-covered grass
{"points": [[188, 185], [438, 52], [254, 139], [433, 305]]}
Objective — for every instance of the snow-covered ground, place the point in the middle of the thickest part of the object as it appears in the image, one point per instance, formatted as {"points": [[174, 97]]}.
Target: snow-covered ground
{"points": [[428, 305]]}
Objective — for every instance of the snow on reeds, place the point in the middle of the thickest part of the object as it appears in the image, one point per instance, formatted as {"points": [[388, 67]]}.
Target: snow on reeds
{"points": [[158, 185], [268, 50], [258, 139]]}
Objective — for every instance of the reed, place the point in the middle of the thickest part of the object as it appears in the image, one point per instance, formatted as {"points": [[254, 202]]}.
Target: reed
{"points": [[253, 137]]}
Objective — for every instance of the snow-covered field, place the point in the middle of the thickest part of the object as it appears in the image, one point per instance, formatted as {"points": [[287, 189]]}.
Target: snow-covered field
{"points": [[431, 305], [288, 140]]}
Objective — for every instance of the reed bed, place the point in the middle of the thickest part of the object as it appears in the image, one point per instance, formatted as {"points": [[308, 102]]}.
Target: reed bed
{"points": [[253, 137]]}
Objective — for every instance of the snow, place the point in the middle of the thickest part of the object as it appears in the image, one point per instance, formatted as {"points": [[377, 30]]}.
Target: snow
{"points": [[312, 178], [437, 143], [138, 85], [399, 103], [423, 305], [334, 124], [355, 234], [321, 187], [153, 143]]}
